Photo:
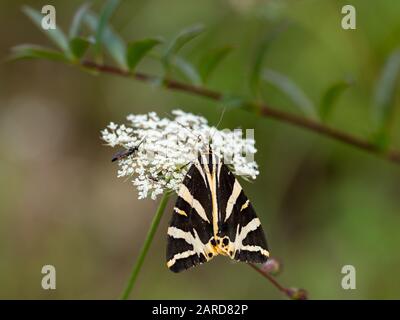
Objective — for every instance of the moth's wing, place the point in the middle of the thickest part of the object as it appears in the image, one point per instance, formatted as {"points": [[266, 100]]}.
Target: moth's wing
{"points": [[190, 229], [240, 234]]}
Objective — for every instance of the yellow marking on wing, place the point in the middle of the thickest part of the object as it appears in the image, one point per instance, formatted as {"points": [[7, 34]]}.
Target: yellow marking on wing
{"points": [[185, 194], [179, 211], [246, 204]]}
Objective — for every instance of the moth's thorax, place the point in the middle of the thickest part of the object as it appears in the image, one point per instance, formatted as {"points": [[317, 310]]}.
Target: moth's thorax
{"points": [[208, 158], [224, 246]]}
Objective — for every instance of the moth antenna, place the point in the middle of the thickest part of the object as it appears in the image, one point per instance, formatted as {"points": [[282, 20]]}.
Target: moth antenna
{"points": [[141, 141], [216, 128], [221, 117]]}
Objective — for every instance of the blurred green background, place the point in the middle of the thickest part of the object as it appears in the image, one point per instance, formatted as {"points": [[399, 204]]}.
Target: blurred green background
{"points": [[322, 204]]}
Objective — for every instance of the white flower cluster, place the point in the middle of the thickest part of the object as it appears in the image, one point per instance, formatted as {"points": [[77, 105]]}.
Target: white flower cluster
{"points": [[168, 147]]}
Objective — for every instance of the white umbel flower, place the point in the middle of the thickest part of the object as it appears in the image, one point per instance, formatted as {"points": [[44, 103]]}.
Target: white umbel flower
{"points": [[168, 147]]}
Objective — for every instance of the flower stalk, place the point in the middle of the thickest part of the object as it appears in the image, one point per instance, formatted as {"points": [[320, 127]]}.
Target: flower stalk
{"points": [[146, 246]]}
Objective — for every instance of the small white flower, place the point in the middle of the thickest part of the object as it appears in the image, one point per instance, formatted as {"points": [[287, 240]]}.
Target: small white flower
{"points": [[112, 126], [168, 147]]}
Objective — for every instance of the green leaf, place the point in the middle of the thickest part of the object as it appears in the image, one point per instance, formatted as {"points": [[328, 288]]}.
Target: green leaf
{"points": [[55, 35], [258, 62], [113, 43], [287, 86], [255, 73], [78, 46], [232, 101], [187, 69], [210, 61], [331, 96], [384, 95], [77, 20], [102, 25], [137, 50], [28, 51], [180, 40]]}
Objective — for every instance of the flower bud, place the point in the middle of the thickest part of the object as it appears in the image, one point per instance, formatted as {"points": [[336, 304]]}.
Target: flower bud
{"points": [[272, 266], [297, 294]]}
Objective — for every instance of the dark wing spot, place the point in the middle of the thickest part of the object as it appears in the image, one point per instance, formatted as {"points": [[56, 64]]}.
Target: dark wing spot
{"points": [[210, 254], [226, 241], [213, 243]]}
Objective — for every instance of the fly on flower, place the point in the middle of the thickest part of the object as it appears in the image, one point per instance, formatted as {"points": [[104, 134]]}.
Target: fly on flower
{"points": [[126, 153], [212, 215]]}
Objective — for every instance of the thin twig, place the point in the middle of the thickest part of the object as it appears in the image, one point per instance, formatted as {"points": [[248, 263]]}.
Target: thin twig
{"points": [[292, 293], [270, 278], [264, 109]]}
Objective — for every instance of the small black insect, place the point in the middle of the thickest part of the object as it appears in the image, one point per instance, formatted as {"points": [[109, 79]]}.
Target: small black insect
{"points": [[126, 153]]}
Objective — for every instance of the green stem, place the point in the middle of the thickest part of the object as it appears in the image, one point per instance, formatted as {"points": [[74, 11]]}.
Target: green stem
{"points": [[143, 252]]}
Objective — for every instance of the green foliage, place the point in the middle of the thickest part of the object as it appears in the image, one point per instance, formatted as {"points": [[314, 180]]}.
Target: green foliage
{"points": [[78, 46], [232, 101], [102, 24], [262, 49], [292, 91], [27, 51], [179, 41], [331, 96], [211, 59], [384, 95], [136, 50], [187, 69], [77, 20], [111, 41]]}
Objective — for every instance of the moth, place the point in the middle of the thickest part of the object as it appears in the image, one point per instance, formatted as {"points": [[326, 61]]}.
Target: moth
{"points": [[212, 216]]}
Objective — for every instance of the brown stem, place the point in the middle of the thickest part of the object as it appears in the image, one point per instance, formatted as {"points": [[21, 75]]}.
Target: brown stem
{"points": [[271, 279], [292, 293], [265, 110]]}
